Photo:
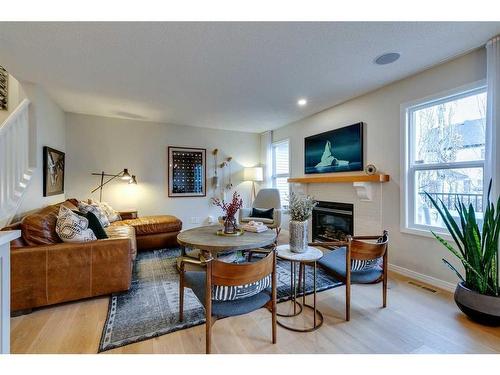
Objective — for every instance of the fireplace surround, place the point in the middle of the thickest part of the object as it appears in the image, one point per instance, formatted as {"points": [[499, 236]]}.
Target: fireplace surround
{"points": [[332, 221]]}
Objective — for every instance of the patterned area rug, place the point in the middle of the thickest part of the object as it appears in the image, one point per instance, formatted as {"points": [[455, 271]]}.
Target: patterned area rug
{"points": [[150, 308]]}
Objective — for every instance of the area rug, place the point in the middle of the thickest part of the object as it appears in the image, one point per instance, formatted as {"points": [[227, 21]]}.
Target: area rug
{"points": [[150, 307]]}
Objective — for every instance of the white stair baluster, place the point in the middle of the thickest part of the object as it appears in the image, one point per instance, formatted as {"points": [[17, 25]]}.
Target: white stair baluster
{"points": [[15, 169]]}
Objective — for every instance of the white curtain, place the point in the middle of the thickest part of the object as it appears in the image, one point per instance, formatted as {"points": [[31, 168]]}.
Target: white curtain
{"points": [[493, 116], [266, 157]]}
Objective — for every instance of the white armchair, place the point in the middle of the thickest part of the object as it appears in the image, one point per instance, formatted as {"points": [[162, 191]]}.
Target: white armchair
{"points": [[265, 199]]}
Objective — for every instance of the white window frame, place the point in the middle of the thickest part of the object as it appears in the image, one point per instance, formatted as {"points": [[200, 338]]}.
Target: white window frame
{"points": [[275, 175], [409, 169]]}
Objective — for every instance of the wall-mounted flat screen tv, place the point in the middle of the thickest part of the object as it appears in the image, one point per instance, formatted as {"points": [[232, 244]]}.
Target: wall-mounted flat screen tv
{"points": [[339, 150]]}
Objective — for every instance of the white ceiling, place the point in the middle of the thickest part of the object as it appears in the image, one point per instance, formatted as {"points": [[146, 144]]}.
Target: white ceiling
{"points": [[240, 76]]}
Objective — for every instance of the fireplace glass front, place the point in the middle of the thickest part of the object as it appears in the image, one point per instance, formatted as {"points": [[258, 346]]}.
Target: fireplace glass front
{"points": [[332, 221]]}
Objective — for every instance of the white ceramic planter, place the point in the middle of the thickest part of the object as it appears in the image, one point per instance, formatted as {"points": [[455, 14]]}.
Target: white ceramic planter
{"points": [[298, 236]]}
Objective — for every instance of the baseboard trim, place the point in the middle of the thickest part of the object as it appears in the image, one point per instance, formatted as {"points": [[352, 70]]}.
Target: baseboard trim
{"points": [[441, 284]]}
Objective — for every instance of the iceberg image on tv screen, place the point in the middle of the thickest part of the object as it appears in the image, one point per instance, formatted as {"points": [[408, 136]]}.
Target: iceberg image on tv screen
{"points": [[339, 150]]}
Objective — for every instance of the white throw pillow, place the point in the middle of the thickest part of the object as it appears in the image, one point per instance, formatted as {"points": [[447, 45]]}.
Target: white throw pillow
{"points": [[111, 213], [71, 227], [96, 210]]}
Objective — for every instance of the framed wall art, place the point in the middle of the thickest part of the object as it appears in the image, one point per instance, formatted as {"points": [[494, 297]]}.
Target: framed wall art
{"points": [[186, 172], [4, 89], [339, 150], [53, 171]]}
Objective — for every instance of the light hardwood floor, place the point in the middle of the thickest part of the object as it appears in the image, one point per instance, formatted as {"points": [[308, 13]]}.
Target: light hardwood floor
{"points": [[415, 321]]}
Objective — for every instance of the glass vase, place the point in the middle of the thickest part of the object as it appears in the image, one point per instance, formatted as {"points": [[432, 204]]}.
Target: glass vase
{"points": [[230, 225]]}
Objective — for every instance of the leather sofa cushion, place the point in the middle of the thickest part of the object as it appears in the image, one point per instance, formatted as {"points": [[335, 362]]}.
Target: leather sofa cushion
{"points": [[39, 228], [123, 231], [152, 224]]}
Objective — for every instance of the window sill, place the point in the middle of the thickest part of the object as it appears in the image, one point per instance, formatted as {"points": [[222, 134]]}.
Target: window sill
{"points": [[426, 233]]}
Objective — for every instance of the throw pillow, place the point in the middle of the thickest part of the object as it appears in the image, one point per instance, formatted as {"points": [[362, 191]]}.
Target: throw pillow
{"points": [[71, 227], [231, 293], [263, 213], [111, 213], [94, 224], [96, 210], [366, 265]]}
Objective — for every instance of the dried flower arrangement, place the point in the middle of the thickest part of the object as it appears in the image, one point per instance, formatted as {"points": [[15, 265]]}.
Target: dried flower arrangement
{"points": [[230, 209], [301, 207]]}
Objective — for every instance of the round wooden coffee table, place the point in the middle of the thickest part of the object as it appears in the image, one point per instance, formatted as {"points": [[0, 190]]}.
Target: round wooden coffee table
{"points": [[206, 239]]}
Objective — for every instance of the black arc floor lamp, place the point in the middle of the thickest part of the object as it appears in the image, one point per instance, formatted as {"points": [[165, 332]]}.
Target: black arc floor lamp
{"points": [[124, 175]]}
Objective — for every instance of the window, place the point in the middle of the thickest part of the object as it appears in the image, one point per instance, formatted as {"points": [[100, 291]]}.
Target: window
{"points": [[444, 156], [281, 169]]}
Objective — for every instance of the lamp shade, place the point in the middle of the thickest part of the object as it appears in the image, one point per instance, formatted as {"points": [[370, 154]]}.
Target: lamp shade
{"points": [[253, 174], [126, 176]]}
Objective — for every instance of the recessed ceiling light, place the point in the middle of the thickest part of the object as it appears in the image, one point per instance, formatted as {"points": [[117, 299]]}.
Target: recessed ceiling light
{"points": [[387, 58], [301, 102]]}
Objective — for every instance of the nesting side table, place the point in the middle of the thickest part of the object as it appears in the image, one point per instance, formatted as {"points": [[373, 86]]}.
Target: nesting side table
{"points": [[301, 260]]}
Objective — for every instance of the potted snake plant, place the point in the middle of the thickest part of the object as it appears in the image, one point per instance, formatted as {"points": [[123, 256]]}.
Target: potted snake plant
{"points": [[478, 293]]}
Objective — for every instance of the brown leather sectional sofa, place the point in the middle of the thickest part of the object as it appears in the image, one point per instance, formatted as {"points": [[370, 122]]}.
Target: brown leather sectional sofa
{"points": [[46, 271]]}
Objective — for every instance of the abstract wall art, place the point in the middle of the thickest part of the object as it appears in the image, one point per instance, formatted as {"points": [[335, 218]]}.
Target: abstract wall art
{"points": [[53, 171], [339, 150], [186, 172]]}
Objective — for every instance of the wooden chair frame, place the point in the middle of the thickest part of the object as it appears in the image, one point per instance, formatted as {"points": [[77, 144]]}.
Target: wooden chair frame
{"points": [[228, 274], [356, 248]]}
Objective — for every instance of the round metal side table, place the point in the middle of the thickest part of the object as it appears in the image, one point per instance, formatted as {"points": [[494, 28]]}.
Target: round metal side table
{"points": [[300, 261]]}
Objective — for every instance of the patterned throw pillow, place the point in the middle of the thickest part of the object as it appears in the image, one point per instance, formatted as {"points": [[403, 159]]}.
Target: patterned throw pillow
{"points": [[231, 293], [71, 227], [366, 265], [94, 225], [111, 214], [96, 210]]}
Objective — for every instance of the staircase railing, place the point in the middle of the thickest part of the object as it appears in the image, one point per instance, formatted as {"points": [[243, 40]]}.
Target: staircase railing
{"points": [[15, 170]]}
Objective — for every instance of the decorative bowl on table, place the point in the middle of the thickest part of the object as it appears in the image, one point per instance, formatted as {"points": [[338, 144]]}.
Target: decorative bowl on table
{"points": [[237, 232]]}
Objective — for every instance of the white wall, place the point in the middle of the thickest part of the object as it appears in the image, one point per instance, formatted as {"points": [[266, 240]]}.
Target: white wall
{"points": [[97, 143], [49, 129], [380, 110]]}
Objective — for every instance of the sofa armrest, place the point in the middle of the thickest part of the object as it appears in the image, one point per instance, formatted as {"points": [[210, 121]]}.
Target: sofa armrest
{"points": [[48, 274]]}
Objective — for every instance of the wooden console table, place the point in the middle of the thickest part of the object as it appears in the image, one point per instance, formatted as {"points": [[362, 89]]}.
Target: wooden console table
{"points": [[5, 238]]}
